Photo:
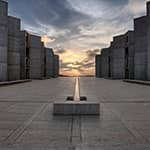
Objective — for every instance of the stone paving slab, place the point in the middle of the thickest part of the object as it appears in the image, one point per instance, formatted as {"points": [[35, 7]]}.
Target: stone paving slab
{"points": [[27, 121]]}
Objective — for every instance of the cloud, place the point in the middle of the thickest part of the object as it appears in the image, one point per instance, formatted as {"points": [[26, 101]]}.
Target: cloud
{"points": [[72, 27], [84, 66], [60, 50], [47, 39]]}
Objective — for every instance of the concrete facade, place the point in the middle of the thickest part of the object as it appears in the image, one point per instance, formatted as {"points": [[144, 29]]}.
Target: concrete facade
{"points": [[140, 26], [122, 56], [32, 57], [148, 40], [117, 61], [36, 50], [3, 40], [98, 65], [22, 55], [37, 62], [49, 62], [13, 48], [130, 52], [56, 66], [105, 63]]}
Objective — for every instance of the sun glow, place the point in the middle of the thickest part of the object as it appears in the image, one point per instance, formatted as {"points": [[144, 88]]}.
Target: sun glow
{"points": [[47, 39], [73, 63]]}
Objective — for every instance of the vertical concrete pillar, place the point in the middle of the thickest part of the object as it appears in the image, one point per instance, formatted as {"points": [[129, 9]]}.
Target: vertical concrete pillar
{"points": [[98, 66], [56, 66], [23, 55], [43, 75], [3, 40], [140, 58], [105, 63], [49, 62], [13, 48], [36, 52], [118, 55], [148, 40]]}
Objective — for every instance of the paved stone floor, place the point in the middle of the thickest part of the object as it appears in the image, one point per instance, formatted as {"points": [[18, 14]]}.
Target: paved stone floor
{"points": [[27, 123]]}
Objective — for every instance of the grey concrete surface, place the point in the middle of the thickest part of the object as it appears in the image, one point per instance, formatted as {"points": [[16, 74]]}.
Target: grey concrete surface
{"points": [[13, 48], [27, 122], [98, 66], [76, 108], [3, 40], [49, 72], [140, 58], [36, 50]]}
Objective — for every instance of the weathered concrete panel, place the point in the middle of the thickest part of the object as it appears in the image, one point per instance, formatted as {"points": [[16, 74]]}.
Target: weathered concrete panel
{"points": [[36, 51], [3, 72], [24, 63], [105, 62], [122, 54], [76, 108], [148, 41], [98, 65], [35, 41], [3, 12], [56, 66], [15, 72], [140, 25], [14, 27], [49, 62], [13, 48], [3, 40], [14, 58], [14, 44]]}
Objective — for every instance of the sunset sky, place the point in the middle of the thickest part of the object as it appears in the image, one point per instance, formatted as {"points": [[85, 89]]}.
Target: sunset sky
{"points": [[77, 29]]}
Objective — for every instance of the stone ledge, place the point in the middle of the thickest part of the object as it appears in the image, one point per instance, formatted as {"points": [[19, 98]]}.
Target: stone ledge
{"points": [[76, 108], [137, 82], [14, 82]]}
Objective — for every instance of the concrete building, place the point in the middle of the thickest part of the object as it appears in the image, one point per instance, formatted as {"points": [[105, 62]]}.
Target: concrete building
{"points": [[13, 48], [122, 56], [148, 40], [37, 62], [105, 63], [3, 41], [22, 55], [49, 61], [140, 26], [36, 57], [117, 61], [32, 56], [98, 66], [56, 66], [130, 53]]}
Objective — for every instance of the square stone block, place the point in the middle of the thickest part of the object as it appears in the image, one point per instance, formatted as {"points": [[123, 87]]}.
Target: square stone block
{"points": [[76, 108]]}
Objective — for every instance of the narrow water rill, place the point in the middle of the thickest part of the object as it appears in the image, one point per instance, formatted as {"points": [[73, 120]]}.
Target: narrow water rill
{"points": [[76, 105], [77, 90]]}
